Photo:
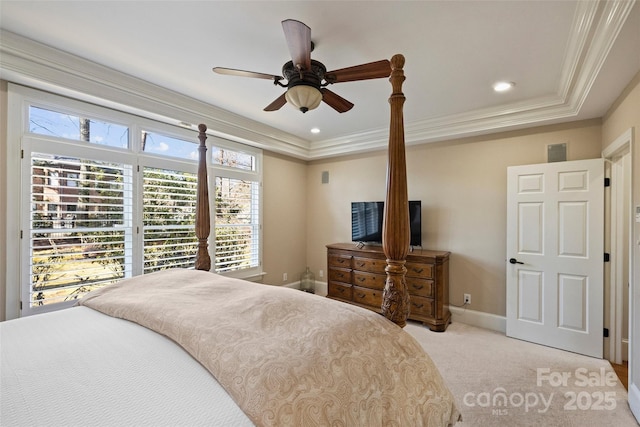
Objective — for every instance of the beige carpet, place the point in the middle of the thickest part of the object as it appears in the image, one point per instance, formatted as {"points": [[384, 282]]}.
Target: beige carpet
{"points": [[500, 381]]}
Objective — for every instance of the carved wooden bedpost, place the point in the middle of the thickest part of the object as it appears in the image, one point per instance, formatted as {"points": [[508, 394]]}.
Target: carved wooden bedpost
{"points": [[395, 230], [203, 220]]}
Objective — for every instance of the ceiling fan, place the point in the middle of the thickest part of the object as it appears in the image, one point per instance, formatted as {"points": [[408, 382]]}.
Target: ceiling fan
{"points": [[306, 79]]}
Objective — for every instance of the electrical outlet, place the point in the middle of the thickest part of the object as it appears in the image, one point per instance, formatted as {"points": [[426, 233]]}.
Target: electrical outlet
{"points": [[284, 277], [321, 274], [467, 299]]}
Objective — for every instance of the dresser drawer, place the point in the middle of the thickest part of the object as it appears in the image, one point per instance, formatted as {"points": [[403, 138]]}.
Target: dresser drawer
{"points": [[340, 275], [423, 271], [356, 274], [339, 290], [369, 280], [366, 296], [420, 287], [370, 265], [339, 260], [421, 306]]}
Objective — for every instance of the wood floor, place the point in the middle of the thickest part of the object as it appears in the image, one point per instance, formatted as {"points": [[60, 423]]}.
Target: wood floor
{"points": [[623, 373]]}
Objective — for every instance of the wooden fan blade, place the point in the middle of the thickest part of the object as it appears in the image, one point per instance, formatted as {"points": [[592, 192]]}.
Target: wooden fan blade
{"points": [[275, 105], [372, 70], [335, 101], [298, 37], [243, 73]]}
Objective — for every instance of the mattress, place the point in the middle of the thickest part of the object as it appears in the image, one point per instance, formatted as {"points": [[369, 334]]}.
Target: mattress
{"points": [[78, 367]]}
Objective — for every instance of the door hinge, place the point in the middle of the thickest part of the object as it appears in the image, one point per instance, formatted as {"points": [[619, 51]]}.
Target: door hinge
{"points": [[607, 257], [606, 332], [607, 182], [21, 234], [20, 305], [22, 154]]}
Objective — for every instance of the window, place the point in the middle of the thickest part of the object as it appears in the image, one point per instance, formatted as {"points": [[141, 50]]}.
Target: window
{"points": [[78, 235], [234, 159], [164, 145], [169, 210], [111, 195], [237, 208], [68, 126], [236, 224]]}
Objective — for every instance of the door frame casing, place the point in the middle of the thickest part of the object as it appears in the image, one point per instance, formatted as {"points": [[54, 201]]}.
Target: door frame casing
{"points": [[614, 224], [618, 146]]}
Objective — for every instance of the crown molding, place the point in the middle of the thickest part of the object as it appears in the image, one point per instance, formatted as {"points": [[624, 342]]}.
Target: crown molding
{"points": [[594, 30], [31, 63], [610, 20]]}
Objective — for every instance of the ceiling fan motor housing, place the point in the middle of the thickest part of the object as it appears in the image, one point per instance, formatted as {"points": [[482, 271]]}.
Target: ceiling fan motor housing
{"points": [[312, 77]]}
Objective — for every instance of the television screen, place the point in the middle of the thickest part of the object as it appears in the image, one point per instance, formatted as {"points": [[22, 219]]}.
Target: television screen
{"points": [[415, 222], [366, 222]]}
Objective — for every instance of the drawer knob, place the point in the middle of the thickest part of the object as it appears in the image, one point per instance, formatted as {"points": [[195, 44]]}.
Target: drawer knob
{"points": [[361, 279], [361, 295], [418, 305], [418, 287], [418, 270], [360, 264]]}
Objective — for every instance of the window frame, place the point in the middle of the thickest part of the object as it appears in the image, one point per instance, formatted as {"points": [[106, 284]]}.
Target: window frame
{"points": [[224, 171], [33, 143], [22, 142]]}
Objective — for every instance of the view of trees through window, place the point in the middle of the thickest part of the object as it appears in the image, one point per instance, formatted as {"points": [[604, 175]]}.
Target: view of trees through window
{"points": [[79, 225], [236, 226], [83, 210], [169, 209]]}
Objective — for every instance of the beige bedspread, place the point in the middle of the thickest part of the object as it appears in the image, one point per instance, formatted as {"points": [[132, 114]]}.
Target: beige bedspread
{"points": [[286, 357]]}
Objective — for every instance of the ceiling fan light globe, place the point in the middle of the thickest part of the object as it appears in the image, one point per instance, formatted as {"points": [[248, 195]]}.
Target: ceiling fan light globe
{"points": [[304, 97]]}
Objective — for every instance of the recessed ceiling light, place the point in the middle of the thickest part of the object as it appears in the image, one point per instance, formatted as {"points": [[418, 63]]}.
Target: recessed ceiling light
{"points": [[503, 86], [315, 130]]}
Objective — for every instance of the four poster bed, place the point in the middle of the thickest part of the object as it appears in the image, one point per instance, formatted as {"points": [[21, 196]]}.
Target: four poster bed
{"points": [[189, 347]]}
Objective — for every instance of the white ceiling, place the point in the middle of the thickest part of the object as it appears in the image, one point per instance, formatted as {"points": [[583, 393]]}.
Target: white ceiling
{"points": [[569, 59]]}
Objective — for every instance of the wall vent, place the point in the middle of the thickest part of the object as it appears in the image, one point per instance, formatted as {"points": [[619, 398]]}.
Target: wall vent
{"points": [[556, 153]]}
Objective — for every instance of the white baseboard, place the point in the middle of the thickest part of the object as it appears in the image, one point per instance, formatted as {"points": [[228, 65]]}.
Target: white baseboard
{"points": [[479, 319], [293, 285], [634, 400], [466, 316], [321, 287]]}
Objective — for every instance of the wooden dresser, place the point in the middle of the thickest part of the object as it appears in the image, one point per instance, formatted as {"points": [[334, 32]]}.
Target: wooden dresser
{"points": [[357, 276]]}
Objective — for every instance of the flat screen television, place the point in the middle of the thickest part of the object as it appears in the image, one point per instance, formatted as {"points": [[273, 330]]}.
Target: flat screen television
{"points": [[366, 222]]}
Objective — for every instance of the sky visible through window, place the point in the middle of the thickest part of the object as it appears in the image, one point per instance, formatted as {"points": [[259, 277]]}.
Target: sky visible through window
{"points": [[63, 125], [68, 126], [156, 143]]}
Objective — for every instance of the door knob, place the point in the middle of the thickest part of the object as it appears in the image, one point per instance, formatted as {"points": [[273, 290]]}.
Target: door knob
{"points": [[515, 261]]}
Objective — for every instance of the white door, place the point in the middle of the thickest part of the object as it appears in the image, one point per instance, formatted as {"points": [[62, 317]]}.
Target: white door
{"points": [[555, 251]]}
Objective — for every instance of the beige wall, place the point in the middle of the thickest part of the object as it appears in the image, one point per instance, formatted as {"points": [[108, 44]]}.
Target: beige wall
{"points": [[462, 186], [623, 114], [284, 212]]}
